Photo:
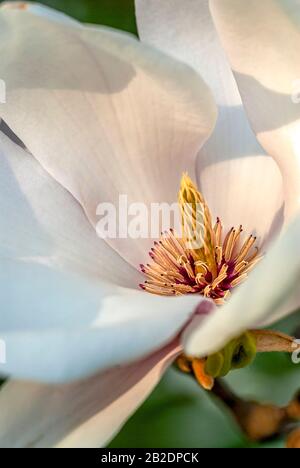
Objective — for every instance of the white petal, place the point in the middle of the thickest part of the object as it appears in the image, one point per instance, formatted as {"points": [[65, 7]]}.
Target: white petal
{"points": [[232, 164], [103, 113], [41, 10], [262, 41], [81, 415], [270, 287], [287, 307], [42, 222], [59, 327], [245, 191], [186, 31]]}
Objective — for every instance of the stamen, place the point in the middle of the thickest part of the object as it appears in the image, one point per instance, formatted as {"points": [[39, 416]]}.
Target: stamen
{"points": [[212, 269], [205, 380], [219, 255], [196, 366]]}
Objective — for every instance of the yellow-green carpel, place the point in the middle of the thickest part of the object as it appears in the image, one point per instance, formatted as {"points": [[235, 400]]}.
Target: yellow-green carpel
{"points": [[237, 354]]}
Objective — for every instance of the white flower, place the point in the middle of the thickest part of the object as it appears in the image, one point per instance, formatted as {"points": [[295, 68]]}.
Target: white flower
{"points": [[101, 114]]}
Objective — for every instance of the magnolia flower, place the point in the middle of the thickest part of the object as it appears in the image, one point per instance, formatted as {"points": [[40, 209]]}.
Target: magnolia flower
{"points": [[91, 113]]}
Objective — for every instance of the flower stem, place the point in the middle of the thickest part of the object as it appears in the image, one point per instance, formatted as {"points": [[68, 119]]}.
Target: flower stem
{"points": [[261, 422]]}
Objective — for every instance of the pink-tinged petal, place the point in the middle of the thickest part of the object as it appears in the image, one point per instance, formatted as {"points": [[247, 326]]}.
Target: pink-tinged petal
{"points": [[287, 307], [103, 113], [262, 41], [272, 286], [41, 10], [59, 327], [42, 222], [241, 184], [86, 414]]}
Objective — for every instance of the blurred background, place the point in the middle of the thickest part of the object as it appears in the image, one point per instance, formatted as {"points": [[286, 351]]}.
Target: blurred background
{"points": [[179, 413]]}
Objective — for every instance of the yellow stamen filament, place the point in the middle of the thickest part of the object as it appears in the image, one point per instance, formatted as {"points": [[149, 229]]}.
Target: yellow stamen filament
{"points": [[195, 366], [206, 381], [183, 364]]}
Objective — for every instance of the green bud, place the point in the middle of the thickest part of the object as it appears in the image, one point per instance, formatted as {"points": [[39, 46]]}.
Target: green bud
{"points": [[214, 364], [237, 354]]}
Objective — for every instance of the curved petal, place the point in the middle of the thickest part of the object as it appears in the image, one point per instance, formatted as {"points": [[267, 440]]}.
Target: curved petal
{"points": [[262, 41], [103, 113], [269, 289], [81, 415], [41, 10], [41, 222], [59, 327], [246, 191], [228, 161], [290, 306]]}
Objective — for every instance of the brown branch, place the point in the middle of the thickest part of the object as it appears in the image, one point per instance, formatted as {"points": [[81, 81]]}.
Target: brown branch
{"points": [[293, 440], [261, 422]]}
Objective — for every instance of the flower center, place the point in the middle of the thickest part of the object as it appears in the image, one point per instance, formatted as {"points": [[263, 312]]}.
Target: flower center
{"points": [[205, 260]]}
